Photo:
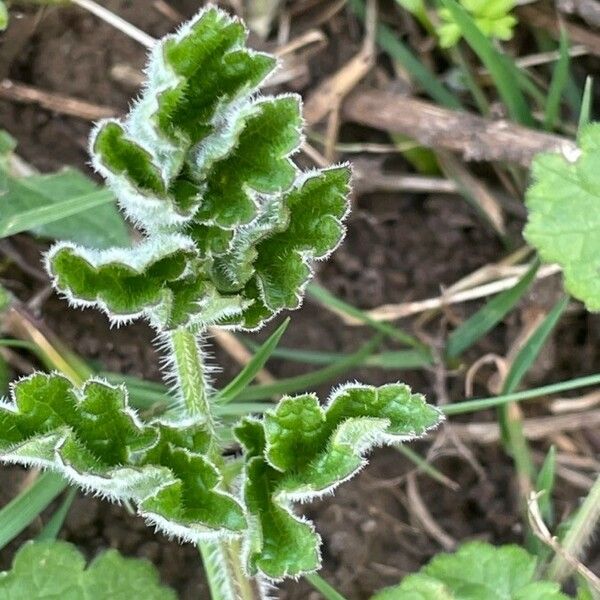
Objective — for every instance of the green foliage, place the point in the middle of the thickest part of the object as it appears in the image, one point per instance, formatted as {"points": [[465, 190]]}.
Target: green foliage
{"points": [[50, 570], [203, 166], [477, 571], [298, 452], [301, 451], [564, 226], [3, 16], [492, 17], [65, 205], [93, 438]]}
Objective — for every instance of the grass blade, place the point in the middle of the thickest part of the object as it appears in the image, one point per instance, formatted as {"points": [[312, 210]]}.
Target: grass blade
{"points": [[248, 373], [530, 351], [501, 70], [43, 215], [54, 525], [560, 78], [489, 316], [469, 406], [428, 80], [328, 592], [393, 360], [321, 295], [586, 103], [24, 508], [310, 380]]}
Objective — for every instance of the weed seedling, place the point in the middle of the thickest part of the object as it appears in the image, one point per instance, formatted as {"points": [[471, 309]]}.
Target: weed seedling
{"points": [[229, 231]]}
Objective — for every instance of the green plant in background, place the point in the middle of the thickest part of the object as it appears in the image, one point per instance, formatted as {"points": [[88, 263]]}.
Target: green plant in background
{"points": [[58, 570], [202, 165], [477, 571], [3, 16], [492, 17], [564, 217]]}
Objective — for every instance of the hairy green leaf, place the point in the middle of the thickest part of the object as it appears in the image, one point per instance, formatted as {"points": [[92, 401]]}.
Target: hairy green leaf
{"points": [[477, 571], [50, 570], [301, 451], [94, 439], [564, 216], [204, 166]]}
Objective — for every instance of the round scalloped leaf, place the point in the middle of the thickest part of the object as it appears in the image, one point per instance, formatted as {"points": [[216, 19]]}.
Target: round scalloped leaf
{"points": [[564, 215], [477, 571], [50, 570]]}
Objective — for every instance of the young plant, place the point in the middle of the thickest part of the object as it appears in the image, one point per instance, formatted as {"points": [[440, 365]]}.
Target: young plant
{"points": [[477, 571], [51, 569], [230, 229]]}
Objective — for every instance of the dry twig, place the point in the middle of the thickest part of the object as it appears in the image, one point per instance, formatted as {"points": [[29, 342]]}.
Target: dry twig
{"points": [[474, 137]]}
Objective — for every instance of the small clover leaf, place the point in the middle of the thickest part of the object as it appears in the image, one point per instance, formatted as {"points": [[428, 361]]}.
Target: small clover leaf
{"points": [[491, 17], [50, 570], [301, 451], [93, 438], [564, 215], [477, 571]]}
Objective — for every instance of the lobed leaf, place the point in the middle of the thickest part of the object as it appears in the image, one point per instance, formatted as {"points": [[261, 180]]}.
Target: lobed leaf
{"points": [[477, 571], [301, 451], [50, 570], [93, 438], [564, 217], [204, 167], [168, 281]]}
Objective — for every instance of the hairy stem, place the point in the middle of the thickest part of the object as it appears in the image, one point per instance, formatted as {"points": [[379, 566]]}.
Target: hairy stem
{"points": [[223, 559], [226, 577], [190, 375], [579, 534]]}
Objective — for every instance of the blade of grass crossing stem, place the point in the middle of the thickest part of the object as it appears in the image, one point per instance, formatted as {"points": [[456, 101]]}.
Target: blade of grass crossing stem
{"points": [[19, 513], [586, 104], [511, 424], [36, 217], [545, 486], [328, 592], [560, 78], [401, 359], [54, 525], [426, 467], [321, 295], [249, 372], [310, 380], [428, 80], [485, 319], [530, 351], [470, 406], [501, 70]]}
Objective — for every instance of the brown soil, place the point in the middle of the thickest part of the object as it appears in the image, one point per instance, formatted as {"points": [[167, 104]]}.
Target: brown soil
{"points": [[398, 248]]}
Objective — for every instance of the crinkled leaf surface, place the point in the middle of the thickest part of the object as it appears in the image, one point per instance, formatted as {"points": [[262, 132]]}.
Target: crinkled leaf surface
{"points": [[477, 571], [201, 158], [52, 570], [301, 451], [564, 215], [91, 436]]}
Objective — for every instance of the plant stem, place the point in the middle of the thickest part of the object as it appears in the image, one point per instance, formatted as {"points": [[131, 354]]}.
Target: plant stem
{"points": [[189, 371], [222, 559], [226, 577], [579, 534]]}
